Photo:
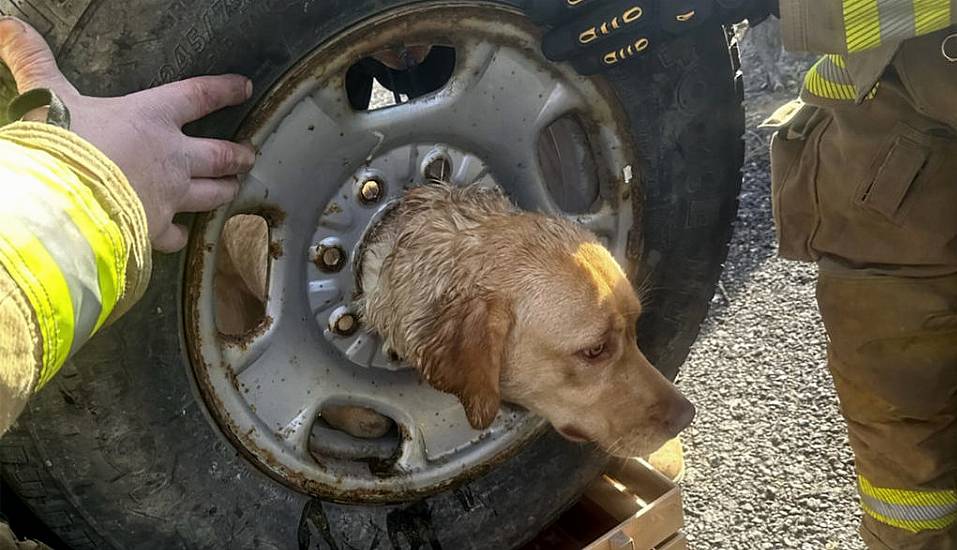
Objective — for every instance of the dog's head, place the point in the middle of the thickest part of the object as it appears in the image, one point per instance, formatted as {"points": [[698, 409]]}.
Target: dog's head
{"points": [[554, 330]]}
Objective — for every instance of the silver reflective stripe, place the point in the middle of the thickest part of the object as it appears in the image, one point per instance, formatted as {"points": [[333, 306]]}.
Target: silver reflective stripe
{"points": [[830, 70], [40, 211], [897, 20], [909, 512], [829, 79]]}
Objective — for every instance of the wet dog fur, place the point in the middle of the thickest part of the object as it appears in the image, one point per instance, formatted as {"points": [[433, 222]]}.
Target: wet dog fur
{"points": [[493, 304]]}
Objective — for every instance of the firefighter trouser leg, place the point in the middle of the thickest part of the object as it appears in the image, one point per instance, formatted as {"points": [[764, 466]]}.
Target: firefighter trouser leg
{"points": [[893, 356], [869, 191]]}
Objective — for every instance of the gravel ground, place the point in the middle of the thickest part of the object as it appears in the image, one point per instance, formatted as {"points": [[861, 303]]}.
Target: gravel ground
{"points": [[768, 463]]}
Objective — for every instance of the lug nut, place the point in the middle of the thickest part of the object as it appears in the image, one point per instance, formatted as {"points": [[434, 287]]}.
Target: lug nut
{"points": [[346, 324], [343, 323], [370, 191], [329, 258]]}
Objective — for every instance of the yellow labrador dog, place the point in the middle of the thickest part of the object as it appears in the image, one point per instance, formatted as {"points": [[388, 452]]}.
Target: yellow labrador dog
{"points": [[493, 304], [490, 303]]}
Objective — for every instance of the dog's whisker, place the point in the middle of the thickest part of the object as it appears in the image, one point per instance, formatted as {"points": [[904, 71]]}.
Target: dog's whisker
{"points": [[614, 447]]}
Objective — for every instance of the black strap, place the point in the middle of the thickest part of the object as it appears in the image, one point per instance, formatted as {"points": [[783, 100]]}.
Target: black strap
{"points": [[57, 112]]}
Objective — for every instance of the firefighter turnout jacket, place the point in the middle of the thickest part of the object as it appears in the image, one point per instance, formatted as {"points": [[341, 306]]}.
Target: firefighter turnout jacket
{"points": [[74, 253], [859, 38]]}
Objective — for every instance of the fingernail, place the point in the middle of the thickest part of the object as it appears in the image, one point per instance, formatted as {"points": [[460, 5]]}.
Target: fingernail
{"points": [[249, 88]]}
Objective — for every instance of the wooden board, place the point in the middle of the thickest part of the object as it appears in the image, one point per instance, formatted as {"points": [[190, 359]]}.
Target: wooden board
{"points": [[631, 507], [677, 543]]}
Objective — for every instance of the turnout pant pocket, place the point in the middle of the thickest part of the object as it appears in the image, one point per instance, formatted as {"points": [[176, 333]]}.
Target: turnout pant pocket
{"points": [[898, 210], [885, 189]]}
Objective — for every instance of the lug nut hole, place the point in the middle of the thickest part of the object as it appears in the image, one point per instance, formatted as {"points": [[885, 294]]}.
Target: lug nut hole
{"points": [[391, 354], [439, 170]]}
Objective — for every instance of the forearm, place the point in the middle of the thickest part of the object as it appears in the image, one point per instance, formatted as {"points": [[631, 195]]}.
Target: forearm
{"points": [[73, 250], [851, 26]]}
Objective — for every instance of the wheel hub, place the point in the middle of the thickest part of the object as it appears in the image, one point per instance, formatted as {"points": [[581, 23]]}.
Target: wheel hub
{"points": [[359, 204]]}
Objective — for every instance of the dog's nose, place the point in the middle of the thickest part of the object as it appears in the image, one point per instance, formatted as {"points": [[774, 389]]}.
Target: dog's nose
{"points": [[681, 414]]}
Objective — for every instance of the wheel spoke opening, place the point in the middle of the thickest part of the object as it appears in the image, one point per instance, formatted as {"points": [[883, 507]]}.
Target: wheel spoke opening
{"points": [[241, 278], [358, 434], [397, 75], [568, 165]]}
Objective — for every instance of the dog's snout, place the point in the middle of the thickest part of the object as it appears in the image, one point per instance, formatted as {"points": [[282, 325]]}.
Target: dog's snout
{"points": [[680, 415]]}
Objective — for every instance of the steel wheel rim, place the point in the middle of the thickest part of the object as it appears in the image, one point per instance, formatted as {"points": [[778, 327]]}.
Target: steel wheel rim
{"points": [[300, 358]]}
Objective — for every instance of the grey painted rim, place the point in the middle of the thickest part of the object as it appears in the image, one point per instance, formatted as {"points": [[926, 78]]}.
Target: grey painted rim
{"points": [[316, 152]]}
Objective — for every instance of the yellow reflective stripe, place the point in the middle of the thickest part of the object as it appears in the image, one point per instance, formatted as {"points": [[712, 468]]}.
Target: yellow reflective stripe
{"points": [[910, 510], [912, 525], [37, 274], [61, 248], [909, 498], [931, 15], [862, 25], [822, 79], [42, 212], [104, 238]]}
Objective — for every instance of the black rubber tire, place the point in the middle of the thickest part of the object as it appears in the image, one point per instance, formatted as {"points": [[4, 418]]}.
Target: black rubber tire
{"points": [[119, 452]]}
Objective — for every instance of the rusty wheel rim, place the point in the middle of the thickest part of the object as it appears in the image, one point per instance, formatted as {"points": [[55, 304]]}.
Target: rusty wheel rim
{"points": [[317, 157]]}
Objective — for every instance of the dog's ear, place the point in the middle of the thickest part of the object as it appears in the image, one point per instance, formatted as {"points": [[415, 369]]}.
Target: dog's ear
{"points": [[467, 355]]}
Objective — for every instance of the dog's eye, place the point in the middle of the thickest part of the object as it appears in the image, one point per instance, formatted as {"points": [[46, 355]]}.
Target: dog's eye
{"points": [[594, 352]]}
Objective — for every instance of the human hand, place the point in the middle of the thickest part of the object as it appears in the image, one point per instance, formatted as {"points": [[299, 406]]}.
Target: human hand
{"points": [[595, 35], [142, 133]]}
